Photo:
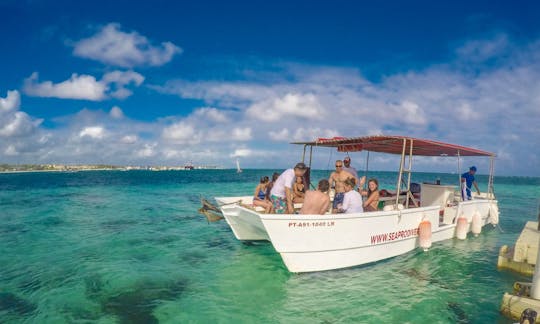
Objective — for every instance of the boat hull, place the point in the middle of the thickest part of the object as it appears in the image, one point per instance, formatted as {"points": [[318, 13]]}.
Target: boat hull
{"points": [[310, 243]]}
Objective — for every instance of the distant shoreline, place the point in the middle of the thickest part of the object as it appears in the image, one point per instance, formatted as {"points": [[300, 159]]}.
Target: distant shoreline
{"points": [[24, 168]]}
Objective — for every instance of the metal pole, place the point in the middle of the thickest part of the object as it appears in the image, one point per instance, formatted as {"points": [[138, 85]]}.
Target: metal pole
{"points": [[409, 172], [459, 176], [367, 168], [398, 188]]}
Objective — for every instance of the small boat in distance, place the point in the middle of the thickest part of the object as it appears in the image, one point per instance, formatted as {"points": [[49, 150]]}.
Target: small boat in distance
{"points": [[238, 170], [189, 166], [412, 216]]}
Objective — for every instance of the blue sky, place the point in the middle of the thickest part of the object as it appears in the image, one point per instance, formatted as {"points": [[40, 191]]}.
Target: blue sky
{"points": [[167, 82]]}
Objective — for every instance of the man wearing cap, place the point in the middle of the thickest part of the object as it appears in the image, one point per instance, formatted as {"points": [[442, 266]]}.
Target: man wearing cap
{"points": [[467, 181], [347, 167], [282, 193]]}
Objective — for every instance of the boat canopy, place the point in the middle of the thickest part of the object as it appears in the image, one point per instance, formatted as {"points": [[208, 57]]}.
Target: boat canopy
{"points": [[395, 145]]}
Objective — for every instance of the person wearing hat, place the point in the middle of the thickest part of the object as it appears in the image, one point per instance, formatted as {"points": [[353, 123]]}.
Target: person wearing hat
{"points": [[282, 194], [467, 181], [347, 167]]}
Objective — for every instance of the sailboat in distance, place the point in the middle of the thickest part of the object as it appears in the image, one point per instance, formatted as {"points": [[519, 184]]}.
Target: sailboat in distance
{"points": [[238, 170]]}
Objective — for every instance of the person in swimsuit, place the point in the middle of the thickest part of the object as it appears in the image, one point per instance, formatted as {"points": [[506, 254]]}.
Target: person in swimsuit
{"points": [[259, 197], [299, 190], [372, 201]]}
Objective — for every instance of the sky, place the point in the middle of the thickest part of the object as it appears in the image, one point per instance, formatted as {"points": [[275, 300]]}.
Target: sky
{"points": [[210, 82]]}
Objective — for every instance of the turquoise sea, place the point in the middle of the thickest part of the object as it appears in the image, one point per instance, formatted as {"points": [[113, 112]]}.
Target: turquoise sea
{"points": [[130, 247]]}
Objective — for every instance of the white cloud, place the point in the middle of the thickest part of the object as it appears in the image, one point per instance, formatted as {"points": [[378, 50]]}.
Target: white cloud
{"points": [[15, 123], [113, 84], [495, 109], [282, 135], [96, 132], [118, 48], [297, 105], [76, 87], [147, 151], [180, 132], [11, 102], [242, 153], [116, 112], [241, 134], [11, 151], [212, 114], [129, 139], [483, 49], [120, 79]]}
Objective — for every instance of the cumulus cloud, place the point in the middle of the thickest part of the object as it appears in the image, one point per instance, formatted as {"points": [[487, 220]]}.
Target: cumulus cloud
{"points": [[116, 112], [113, 84], [129, 139], [180, 132], [76, 87], [15, 123], [243, 152], [11, 102], [491, 108], [298, 105], [212, 114], [96, 132], [115, 47]]}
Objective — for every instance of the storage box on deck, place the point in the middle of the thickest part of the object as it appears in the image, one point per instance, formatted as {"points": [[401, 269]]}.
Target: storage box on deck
{"points": [[436, 195]]}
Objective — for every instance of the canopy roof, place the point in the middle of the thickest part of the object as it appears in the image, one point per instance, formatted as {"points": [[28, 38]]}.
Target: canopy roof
{"points": [[394, 145]]}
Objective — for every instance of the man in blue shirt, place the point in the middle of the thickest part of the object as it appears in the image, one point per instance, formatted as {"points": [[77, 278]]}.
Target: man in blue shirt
{"points": [[468, 180]]}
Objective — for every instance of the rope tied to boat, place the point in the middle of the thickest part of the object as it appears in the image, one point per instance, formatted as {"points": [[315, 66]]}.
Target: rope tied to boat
{"points": [[212, 212]]}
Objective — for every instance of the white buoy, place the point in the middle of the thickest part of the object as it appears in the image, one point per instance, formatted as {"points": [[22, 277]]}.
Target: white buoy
{"points": [[424, 233], [461, 227], [476, 226], [494, 214]]}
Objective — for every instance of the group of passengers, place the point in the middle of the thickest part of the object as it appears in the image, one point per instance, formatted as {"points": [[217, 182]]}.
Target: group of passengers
{"points": [[280, 195]]}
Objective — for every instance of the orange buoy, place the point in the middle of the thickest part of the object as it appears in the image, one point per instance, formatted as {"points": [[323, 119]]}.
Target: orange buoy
{"points": [[461, 227], [476, 225], [424, 233]]}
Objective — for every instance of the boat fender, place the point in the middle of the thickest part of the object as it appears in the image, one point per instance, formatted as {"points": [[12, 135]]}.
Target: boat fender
{"points": [[461, 227], [476, 226], [494, 214], [388, 208], [424, 233]]}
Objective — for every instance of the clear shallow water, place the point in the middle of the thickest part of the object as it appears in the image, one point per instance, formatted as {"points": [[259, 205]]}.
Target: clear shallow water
{"points": [[129, 247]]}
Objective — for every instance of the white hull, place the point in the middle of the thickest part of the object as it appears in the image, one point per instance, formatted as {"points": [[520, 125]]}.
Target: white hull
{"points": [[324, 242]]}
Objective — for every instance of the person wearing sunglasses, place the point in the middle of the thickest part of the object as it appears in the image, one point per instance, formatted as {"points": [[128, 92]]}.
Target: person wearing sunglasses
{"points": [[337, 181]]}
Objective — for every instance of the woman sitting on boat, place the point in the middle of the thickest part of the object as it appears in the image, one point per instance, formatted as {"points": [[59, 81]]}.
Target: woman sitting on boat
{"points": [[352, 200], [299, 190], [372, 201], [259, 197]]}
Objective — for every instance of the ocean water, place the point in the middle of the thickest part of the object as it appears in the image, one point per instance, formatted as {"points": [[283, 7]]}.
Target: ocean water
{"points": [[130, 247]]}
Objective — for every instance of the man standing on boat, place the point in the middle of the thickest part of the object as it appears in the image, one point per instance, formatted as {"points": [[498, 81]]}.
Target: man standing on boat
{"points": [[347, 167], [282, 193], [337, 181], [467, 180]]}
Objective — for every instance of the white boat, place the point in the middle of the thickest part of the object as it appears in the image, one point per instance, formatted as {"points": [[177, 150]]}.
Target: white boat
{"points": [[309, 243]]}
